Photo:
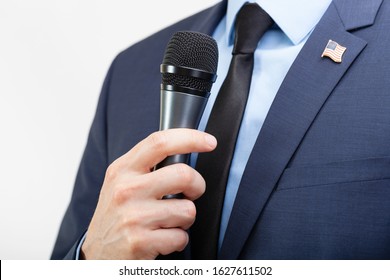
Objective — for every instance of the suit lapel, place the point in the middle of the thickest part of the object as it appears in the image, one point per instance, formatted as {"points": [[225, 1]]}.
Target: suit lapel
{"points": [[303, 92]]}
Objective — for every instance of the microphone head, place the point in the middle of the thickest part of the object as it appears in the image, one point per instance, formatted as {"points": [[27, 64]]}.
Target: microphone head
{"points": [[193, 50]]}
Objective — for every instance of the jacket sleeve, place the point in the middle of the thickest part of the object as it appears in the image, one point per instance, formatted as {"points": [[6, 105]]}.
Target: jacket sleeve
{"points": [[88, 182]]}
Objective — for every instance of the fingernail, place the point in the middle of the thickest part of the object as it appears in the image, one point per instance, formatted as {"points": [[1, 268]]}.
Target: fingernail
{"points": [[211, 140]]}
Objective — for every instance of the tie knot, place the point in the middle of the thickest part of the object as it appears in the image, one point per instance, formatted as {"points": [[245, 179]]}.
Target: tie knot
{"points": [[251, 23]]}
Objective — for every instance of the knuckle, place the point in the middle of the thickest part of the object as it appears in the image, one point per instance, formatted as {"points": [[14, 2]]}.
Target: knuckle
{"points": [[141, 247], [202, 185], [112, 171], [119, 195], [185, 173], [125, 192], [194, 137], [134, 243], [131, 225], [181, 240], [159, 141], [189, 209]]}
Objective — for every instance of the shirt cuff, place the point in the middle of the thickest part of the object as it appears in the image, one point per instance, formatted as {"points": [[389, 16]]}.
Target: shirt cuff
{"points": [[77, 257]]}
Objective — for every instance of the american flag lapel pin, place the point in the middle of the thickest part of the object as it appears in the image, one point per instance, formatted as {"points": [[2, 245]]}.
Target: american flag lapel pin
{"points": [[334, 51]]}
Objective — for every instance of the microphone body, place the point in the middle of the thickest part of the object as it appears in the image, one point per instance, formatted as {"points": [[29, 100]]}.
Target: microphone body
{"points": [[180, 110], [188, 72]]}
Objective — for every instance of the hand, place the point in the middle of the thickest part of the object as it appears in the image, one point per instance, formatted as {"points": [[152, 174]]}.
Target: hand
{"points": [[131, 220]]}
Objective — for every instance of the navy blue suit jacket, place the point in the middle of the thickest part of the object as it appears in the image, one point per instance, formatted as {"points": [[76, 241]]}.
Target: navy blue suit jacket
{"points": [[317, 184]]}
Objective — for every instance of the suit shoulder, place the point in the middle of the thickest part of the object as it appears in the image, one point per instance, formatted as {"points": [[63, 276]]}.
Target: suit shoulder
{"points": [[154, 45]]}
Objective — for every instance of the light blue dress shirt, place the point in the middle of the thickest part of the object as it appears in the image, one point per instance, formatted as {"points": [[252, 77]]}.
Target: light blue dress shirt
{"points": [[275, 53]]}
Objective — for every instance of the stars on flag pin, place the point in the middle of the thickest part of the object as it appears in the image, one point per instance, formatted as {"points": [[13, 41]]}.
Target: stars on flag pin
{"points": [[334, 51]]}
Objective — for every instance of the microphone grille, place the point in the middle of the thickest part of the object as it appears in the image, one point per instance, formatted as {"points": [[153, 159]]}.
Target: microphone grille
{"points": [[194, 50]]}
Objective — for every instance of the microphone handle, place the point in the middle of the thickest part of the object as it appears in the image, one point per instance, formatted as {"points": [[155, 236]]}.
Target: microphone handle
{"points": [[179, 110]]}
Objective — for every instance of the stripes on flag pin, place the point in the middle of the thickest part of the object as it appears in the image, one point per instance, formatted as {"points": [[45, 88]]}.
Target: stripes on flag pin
{"points": [[334, 51]]}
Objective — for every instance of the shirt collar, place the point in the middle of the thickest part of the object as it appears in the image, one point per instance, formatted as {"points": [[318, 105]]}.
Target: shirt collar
{"points": [[296, 18]]}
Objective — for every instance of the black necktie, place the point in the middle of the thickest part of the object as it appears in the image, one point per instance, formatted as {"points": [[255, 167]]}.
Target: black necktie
{"points": [[224, 123]]}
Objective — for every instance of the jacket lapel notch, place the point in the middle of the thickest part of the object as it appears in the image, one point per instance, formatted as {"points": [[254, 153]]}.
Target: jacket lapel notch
{"points": [[357, 13]]}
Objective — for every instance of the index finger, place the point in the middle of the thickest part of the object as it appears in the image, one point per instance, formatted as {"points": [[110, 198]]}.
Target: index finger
{"points": [[159, 145]]}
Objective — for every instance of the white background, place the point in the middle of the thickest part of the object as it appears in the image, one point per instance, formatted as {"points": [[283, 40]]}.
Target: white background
{"points": [[54, 55]]}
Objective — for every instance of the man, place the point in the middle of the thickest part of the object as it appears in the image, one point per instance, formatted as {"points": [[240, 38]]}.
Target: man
{"points": [[310, 177]]}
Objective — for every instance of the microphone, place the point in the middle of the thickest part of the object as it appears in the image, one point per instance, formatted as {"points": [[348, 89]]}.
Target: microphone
{"points": [[188, 72]]}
